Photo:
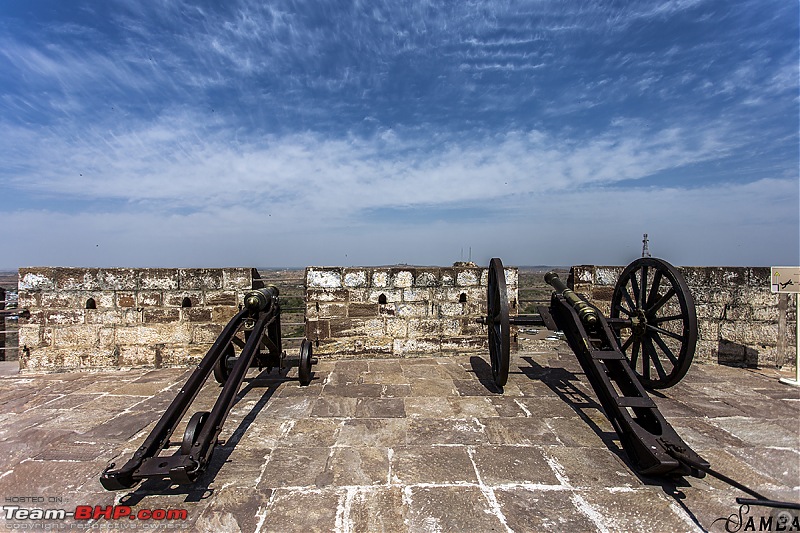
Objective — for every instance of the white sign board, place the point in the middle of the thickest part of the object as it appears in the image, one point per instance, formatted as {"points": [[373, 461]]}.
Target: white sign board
{"points": [[785, 279]]}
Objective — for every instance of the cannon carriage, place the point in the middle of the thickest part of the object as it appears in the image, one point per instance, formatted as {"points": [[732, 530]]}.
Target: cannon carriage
{"points": [[252, 338], [647, 343]]}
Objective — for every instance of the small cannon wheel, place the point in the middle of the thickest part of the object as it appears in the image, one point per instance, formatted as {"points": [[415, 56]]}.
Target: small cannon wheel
{"points": [[193, 429], [498, 323], [658, 330], [304, 366], [221, 370]]}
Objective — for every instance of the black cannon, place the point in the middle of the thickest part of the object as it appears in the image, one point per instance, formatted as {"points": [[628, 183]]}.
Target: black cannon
{"points": [[255, 333], [648, 342]]}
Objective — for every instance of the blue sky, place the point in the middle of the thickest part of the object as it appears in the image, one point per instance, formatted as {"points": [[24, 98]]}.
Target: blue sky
{"points": [[286, 133]]}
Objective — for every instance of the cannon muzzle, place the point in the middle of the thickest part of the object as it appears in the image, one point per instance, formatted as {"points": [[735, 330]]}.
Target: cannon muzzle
{"points": [[259, 299], [588, 315]]}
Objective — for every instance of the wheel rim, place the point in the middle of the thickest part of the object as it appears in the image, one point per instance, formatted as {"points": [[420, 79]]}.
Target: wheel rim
{"points": [[304, 368], [193, 429], [221, 370], [498, 323], [659, 334]]}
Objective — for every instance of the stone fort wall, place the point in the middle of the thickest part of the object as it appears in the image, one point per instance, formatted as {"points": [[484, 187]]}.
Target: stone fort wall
{"points": [[100, 318], [124, 317], [740, 321], [399, 311]]}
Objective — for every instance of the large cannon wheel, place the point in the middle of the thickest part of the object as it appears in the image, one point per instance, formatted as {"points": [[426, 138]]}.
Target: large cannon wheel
{"points": [[498, 322], [658, 327]]}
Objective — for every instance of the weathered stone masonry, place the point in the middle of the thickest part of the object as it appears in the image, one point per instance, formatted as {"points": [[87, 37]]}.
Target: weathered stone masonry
{"points": [[122, 317], [399, 311], [739, 319]]}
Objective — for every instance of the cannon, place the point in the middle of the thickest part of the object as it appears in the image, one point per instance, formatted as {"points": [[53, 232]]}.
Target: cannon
{"points": [[647, 343], [252, 338]]}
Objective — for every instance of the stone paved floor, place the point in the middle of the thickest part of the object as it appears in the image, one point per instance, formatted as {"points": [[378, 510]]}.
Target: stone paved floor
{"points": [[403, 445]]}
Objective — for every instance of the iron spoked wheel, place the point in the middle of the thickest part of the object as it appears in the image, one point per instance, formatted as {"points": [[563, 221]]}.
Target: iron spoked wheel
{"points": [[193, 429], [658, 333], [498, 323]]}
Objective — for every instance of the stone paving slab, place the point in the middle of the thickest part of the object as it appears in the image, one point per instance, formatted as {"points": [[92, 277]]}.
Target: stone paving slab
{"points": [[420, 445]]}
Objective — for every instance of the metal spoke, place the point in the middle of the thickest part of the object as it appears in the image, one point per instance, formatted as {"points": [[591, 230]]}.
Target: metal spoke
{"points": [[636, 291], [628, 297], [643, 288], [620, 308], [656, 361], [661, 301], [654, 288], [660, 319], [627, 343], [645, 363], [664, 348], [667, 333]]}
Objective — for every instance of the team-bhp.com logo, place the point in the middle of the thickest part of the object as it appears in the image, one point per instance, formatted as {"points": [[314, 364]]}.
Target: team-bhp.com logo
{"points": [[88, 512]]}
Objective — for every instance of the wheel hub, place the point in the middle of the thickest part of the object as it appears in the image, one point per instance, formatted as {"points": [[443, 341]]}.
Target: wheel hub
{"points": [[639, 323]]}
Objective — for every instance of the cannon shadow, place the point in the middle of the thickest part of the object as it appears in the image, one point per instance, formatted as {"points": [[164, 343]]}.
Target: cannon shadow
{"points": [[563, 383]]}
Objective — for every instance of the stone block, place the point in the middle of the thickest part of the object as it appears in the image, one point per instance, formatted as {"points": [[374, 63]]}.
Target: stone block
{"points": [[512, 276], [420, 346], [238, 279], [450, 327], [447, 277], [222, 314], [396, 328], [110, 317], [84, 336], [390, 296], [226, 297], [160, 315], [318, 329], [346, 327], [205, 333], [466, 277], [380, 278], [428, 278], [176, 299], [38, 279], [424, 328], [375, 327], [125, 299], [583, 273], [358, 296], [311, 311], [464, 344], [62, 300], [362, 310], [411, 310], [327, 278], [132, 355], [29, 299], [118, 279], [402, 279], [355, 277], [77, 279], [327, 295], [607, 276], [149, 298], [158, 279], [375, 345], [199, 279], [64, 317], [451, 309], [332, 310], [30, 336], [416, 295]]}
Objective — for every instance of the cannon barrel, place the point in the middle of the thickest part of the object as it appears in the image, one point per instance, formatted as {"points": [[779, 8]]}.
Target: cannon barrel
{"points": [[586, 312], [259, 299]]}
